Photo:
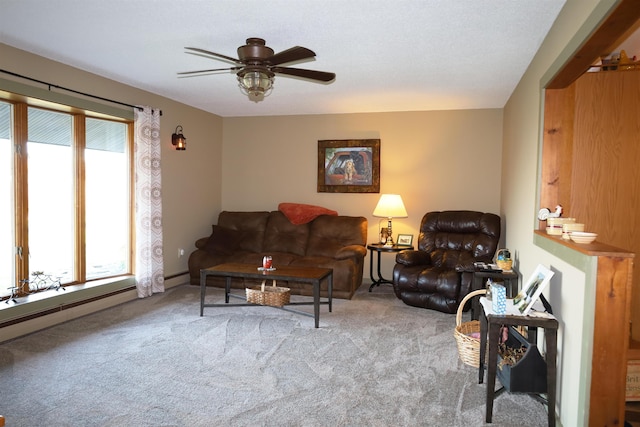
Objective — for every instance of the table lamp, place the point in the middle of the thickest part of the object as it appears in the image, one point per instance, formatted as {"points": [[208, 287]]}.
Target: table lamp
{"points": [[390, 206]]}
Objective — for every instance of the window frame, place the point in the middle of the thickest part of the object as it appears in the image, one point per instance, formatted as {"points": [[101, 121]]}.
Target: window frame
{"points": [[19, 107]]}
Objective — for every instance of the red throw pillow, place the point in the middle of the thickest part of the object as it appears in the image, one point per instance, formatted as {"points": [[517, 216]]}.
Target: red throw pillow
{"points": [[299, 213]]}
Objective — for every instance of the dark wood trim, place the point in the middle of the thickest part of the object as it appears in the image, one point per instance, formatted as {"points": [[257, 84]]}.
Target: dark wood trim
{"points": [[611, 32]]}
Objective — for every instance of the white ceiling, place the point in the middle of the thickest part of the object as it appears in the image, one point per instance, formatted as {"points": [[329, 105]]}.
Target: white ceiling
{"points": [[403, 55]]}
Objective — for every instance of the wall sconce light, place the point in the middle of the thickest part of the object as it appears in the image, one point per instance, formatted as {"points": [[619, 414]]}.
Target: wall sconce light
{"points": [[178, 139]]}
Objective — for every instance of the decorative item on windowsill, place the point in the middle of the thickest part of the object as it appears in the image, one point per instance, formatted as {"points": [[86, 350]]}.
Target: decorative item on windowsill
{"points": [[40, 282], [390, 206], [503, 260]]}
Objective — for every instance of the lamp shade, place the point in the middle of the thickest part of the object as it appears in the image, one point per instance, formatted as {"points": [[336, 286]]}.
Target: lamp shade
{"points": [[390, 206]]}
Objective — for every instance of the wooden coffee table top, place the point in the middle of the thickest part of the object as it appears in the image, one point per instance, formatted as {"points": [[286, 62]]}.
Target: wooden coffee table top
{"points": [[280, 273]]}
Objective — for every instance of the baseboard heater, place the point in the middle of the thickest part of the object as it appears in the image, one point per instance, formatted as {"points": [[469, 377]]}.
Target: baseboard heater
{"points": [[64, 306]]}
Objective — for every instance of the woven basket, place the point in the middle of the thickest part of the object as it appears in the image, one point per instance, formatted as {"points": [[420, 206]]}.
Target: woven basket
{"points": [[504, 264], [274, 296], [468, 347]]}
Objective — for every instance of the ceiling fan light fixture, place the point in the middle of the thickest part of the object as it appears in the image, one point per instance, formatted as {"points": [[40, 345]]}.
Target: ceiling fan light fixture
{"points": [[256, 83], [257, 65]]}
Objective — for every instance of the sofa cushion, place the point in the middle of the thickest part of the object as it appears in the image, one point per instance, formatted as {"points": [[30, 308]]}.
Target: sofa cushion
{"points": [[283, 236], [299, 213], [253, 224], [331, 233], [224, 240]]}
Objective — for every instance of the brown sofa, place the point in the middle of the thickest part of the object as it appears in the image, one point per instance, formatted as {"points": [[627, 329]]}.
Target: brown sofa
{"points": [[328, 241]]}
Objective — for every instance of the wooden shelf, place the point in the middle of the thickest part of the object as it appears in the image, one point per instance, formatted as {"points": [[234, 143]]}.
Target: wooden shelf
{"points": [[592, 249]]}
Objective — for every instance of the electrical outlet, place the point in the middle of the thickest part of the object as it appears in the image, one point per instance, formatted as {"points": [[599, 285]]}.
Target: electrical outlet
{"points": [[180, 253]]}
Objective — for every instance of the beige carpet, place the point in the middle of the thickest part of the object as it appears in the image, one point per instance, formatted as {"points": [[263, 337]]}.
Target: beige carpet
{"points": [[374, 361]]}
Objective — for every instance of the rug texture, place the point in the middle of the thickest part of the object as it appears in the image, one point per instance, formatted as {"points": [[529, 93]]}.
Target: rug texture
{"points": [[374, 361]]}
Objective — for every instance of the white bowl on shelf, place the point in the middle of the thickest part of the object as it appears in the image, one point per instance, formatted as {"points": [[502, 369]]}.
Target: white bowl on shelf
{"points": [[582, 237]]}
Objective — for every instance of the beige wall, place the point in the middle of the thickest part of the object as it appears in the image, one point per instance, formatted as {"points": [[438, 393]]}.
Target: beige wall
{"points": [[190, 179], [435, 160]]}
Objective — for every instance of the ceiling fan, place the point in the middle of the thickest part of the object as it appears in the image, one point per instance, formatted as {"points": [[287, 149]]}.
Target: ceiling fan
{"points": [[258, 65]]}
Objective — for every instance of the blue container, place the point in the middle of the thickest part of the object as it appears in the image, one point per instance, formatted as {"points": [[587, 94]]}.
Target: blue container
{"points": [[499, 298]]}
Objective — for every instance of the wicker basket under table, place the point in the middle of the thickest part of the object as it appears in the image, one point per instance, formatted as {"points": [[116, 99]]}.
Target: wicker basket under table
{"points": [[275, 296], [468, 346]]}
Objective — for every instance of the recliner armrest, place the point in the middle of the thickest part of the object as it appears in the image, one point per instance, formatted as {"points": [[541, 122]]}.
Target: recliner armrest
{"points": [[351, 251], [412, 257]]}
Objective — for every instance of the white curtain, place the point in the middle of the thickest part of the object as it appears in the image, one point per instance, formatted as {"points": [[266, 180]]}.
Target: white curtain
{"points": [[148, 195]]}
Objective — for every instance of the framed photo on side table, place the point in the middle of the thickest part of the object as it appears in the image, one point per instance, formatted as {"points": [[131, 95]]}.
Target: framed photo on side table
{"points": [[405, 239], [532, 289]]}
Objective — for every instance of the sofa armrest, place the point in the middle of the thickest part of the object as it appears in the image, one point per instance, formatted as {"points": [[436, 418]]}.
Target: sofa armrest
{"points": [[202, 242], [351, 251], [411, 257]]}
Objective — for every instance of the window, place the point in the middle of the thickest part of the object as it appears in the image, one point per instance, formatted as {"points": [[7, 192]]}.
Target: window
{"points": [[70, 214], [7, 201], [107, 199], [50, 174]]}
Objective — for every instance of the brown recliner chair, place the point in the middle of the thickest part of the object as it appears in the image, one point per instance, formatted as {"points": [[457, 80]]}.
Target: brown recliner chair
{"points": [[439, 273]]}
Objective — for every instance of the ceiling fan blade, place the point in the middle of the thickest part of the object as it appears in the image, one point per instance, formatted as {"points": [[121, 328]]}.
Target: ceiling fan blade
{"points": [[322, 76], [295, 53], [187, 73], [218, 55]]}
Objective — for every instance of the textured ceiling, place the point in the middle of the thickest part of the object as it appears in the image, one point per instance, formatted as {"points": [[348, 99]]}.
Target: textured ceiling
{"points": [[387, 55]]}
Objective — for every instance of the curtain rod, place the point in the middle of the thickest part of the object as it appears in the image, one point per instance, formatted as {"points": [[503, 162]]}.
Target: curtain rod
{"points": [[50, 85]]}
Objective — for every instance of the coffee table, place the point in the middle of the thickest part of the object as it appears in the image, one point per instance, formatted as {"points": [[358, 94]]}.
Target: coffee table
{"points": [[311, 275]]}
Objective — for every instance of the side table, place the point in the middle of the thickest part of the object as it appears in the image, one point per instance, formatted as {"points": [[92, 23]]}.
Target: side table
{"points": [[510, 279], [379, 248], [490, 325]]}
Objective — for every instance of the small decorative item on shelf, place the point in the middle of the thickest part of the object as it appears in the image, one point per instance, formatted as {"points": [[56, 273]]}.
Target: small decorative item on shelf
{"points": [[545, 213], [488, 288], [583, 237], [499, 298], [554, 225], [383, 235], [569, 228], [503, 260], [267, 262]]}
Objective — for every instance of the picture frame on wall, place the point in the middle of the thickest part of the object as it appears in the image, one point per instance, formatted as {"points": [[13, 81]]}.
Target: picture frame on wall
{"points": [[405, 239], [349, 166]]}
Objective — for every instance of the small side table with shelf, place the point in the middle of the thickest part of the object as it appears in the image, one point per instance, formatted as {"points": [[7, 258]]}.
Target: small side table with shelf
{"points": [[490, 326], [379, 248]]}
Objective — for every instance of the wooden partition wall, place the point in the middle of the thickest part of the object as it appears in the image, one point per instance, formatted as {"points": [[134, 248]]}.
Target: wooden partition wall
{"points": [[591, 144], [591, 166], [591, 161]]}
